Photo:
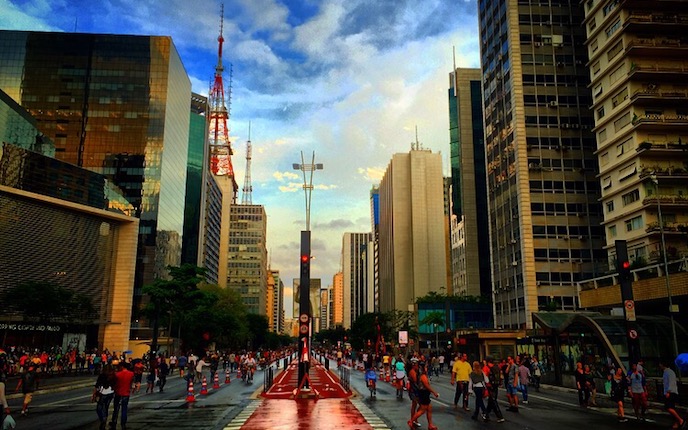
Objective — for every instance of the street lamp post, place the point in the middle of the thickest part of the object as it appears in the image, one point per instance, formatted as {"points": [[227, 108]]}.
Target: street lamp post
{"points": [[655, 180], [437, 342], [305, 313]]}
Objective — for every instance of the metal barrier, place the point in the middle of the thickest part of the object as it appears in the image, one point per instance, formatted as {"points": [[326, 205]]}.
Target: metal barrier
{"points": [[267, 380], [345, 377]]}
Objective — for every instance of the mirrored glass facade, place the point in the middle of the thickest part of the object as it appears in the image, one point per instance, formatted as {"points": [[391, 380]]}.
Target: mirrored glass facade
{"points": [[118, 106]]}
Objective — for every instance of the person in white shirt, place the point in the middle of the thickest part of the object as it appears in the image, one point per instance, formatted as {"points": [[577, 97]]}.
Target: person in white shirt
{"points": [[441, 360], [199, 369]]}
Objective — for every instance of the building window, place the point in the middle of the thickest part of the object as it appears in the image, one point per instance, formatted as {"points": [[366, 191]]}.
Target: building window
{"points": [[612, 231], [622, 122], [592, 25], [624, 147], [604, 158], [614, 50], [627, 171], [612, 28], [617, 74], [631, 197], [620, 97], [596, 68], [609, 7], [600, 113], [607, 182], [593, 46], [602, 135], [597, 91], [635, 223], [610, 206]]}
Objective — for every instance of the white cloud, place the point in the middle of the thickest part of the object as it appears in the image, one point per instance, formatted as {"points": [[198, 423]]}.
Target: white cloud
{"points": [[371, 174], [282, 176]]}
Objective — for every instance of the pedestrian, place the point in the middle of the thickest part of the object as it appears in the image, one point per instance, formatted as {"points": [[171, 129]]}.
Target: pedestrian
{"points": [[139, 367], [103, 393], [524, 377], [638, 391], [199, 369], [441, 359], [494, 376], [590, 385], [536, 371], [124, 379], [150, 380], [413, 387], [619, 388], [512, 380], [671, 395], [163, 371], [460, 375], [182, 361], [399, 376], [424, 405], [581, 387], [29, 384], [477, 385]]}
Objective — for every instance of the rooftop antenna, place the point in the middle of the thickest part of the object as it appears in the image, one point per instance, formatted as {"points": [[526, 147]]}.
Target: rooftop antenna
{"points": [[415, 146], [247, 191]]}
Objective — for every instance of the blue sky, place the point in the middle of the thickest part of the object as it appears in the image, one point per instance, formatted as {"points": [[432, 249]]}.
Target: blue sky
{"points": [[348, 79]]}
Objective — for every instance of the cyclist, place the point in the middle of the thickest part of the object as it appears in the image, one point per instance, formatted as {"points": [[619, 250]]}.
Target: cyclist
{"points": [[371, 379], [250, 368]]}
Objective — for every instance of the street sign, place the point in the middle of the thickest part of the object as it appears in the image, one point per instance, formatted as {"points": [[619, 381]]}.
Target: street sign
{"points": [[403, 337], [633, 334], [303, 318], [629, 305], [303, 328]]}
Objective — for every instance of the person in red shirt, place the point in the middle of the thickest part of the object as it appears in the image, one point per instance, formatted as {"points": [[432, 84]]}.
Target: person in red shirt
{"points": [[124, 378]]}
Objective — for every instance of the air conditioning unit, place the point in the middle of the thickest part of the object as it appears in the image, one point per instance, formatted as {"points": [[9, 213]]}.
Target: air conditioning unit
{"points": [[513, 241], [538, 283], [514, 263], [575, 125], [553, 103], [580, 237], [566, 126], [560, 64], [534, 166]]}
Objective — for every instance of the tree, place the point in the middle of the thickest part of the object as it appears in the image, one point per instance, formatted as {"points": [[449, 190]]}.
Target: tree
{"points": [[432, 318], [47, 302]]}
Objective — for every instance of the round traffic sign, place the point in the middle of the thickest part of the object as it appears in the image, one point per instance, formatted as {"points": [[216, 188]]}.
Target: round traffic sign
{"points": [[303, 329], [632, 334], [303, 318], [630, 304]]}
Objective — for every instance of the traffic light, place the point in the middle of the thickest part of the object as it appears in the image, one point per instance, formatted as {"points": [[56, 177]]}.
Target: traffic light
{"points": [[305, 265], [623, 266]]}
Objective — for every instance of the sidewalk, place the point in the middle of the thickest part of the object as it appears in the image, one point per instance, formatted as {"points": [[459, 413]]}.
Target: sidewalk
{"points": [[328, 405]]}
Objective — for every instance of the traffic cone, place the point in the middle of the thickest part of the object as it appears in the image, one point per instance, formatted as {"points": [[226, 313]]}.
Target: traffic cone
{"points": [[387, 378], [227, 381], [190, 397], [216, 382], [238, 373], [204, 386]]}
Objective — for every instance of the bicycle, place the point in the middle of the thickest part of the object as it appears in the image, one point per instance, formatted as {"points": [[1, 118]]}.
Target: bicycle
{"points": [[371, 380]]}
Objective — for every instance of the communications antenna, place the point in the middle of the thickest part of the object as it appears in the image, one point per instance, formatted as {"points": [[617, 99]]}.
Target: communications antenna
{"points": [[218, 131], [247, 191]]}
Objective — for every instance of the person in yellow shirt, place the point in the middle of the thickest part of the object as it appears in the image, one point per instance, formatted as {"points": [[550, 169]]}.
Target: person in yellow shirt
{"points": [[385, 364], [460, 375]]}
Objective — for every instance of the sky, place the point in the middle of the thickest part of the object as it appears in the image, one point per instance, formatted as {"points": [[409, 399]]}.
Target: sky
{"points": [[348, 80]]}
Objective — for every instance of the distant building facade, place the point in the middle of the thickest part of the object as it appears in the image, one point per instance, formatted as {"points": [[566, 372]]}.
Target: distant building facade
{"points": [[356, 272]]}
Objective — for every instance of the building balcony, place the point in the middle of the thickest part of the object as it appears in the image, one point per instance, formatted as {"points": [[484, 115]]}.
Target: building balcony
{"points": [[657, 22], [669, 227], [661, 121], [663, 72], [674, 149], [666, 98], [668, 201], [658, 47]]}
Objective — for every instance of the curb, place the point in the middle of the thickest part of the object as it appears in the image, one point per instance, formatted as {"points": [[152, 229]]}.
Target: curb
{"points": [[56, 389]]}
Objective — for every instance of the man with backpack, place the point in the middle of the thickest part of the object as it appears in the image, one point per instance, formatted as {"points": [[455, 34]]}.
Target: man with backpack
{"points": [[494, 375]]}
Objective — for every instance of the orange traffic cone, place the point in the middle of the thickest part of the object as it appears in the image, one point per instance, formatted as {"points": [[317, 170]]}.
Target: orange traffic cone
{"points": [[190, 396], [204, 386], [216, 382], [387, 378], [227, 381]]}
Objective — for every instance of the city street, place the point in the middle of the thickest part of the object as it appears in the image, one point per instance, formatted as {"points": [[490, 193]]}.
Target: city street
{"points": [[231, 406]]}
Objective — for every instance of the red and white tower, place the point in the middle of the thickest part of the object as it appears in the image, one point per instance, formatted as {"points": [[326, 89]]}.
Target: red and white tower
{"points": [[218, 131]]}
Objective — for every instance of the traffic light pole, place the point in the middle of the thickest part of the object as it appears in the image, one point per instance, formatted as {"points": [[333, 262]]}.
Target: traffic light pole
{"points": [[623, 267], [304, 309]]}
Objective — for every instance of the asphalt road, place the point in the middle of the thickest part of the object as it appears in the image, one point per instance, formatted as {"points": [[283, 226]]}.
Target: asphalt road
{"points": [[549, 409]]}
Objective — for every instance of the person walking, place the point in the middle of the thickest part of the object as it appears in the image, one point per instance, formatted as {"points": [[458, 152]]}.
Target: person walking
{"points": [[123, 388], [399, 376], [590, 385], [512, 380], [671, 395], [29, 384], [638, 391], [103, 393], [163, 371], [619, 388], [460, 375], [477, 385], [524, 377], [413, 387], [581, 387], [536, 371], [424, 405], [494, 376]]}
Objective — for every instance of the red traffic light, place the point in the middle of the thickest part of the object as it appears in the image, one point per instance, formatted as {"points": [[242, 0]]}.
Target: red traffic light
{"points": [[304, 259], [626, 265]]}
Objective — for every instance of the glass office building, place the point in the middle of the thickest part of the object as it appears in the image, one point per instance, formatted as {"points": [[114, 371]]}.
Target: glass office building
{"points": [[118, 106], [65, 226]]}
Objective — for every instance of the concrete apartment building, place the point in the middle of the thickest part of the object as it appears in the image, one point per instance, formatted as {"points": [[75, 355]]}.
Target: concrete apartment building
{"points": [[639, 81], [470, 250], [247, 259], [542, 188], [413, 244], [338, 299]]}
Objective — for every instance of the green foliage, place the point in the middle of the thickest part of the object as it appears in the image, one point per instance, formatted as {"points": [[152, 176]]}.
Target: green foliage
{"points": [[435, 297], [436, 317], [363, 329], [332, 336]]}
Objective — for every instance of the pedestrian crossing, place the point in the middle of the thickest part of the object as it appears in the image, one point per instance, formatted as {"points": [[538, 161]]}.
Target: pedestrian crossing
{"points": [[244, 415], [371, 418]]}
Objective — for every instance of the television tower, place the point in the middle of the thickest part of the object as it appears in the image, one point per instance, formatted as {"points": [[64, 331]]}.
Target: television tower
{"points": [[246, 197], [218, 132]]}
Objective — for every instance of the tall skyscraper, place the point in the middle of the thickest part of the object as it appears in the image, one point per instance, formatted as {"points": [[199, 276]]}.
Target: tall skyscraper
{"points": [[469, 190], [542, 192], [375, 229], [247, 260], [275, 301], [355, 269], [412, 229], [113, 104], [338, 299], [640, 95], [193, 204]]}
